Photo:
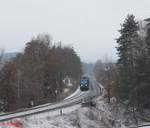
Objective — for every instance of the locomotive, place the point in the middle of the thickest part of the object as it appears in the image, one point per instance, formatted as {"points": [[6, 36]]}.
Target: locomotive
{"points": [[84, 83]]}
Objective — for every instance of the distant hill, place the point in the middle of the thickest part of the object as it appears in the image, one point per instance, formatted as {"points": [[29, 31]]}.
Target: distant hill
{"points": [[8, 56]]}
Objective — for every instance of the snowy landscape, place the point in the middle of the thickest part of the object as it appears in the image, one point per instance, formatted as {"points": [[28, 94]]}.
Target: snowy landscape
{"points": [[75, 64], [103, 116]]}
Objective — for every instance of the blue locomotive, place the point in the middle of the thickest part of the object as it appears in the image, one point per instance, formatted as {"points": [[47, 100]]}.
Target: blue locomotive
{"points": [[84, 83]]}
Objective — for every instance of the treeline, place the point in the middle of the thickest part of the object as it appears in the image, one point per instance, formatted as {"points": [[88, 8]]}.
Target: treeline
{"points": [[129, 78], [37, 74]]}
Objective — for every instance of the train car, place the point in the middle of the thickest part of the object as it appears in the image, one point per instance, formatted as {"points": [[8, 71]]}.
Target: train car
{"points": [[84, 84]]}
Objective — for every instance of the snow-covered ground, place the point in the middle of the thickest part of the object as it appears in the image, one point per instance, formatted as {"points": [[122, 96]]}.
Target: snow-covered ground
{"points": [[72, 117], [116, 115], [75, 117], [103, 116]]}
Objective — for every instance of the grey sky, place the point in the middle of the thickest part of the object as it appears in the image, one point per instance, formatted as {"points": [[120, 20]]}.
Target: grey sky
{"points": [[89, 25]]}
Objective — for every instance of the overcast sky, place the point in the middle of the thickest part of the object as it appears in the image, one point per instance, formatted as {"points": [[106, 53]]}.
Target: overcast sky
{"points": [[89, 25]]}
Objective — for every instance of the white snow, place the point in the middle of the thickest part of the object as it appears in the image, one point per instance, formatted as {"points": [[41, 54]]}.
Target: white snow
{"points": [[72, 117], [104, 116], [51, 119]]}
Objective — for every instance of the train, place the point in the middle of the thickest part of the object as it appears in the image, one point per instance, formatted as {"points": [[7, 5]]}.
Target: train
{"points": [[84, 83]]}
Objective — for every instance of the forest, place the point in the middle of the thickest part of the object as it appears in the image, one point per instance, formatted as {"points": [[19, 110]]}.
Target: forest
{"points": [[36, 75], [128, 79]]}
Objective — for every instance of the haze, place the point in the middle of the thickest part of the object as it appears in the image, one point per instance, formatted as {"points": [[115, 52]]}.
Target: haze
{"points": [[90, 26]]}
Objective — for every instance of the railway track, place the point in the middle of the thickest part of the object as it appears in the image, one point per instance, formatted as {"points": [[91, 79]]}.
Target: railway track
{"points": [[75, 99]]}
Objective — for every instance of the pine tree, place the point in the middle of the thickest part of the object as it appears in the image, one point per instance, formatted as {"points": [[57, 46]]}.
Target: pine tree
{"points": [[127, 52], [144, 72]]}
